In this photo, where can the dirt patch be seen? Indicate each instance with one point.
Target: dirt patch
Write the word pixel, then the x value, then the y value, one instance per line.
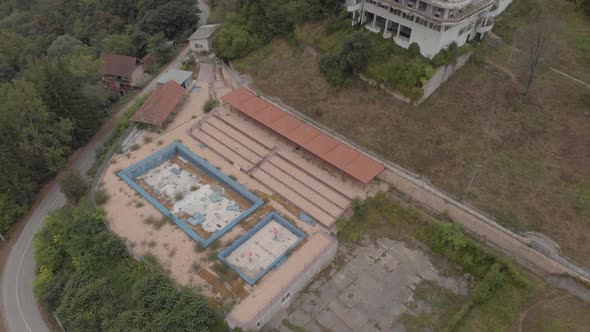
pixel 218 285
pixel 560 312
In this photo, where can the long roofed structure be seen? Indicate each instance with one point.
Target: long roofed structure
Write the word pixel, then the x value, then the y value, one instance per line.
pixel 324 146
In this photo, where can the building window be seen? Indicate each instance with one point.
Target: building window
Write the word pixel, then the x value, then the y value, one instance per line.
pixel 461 31
pixel 448 27
pixel 411 3
pixel 439 12
pixel 422 6
pixel 405 32
pixel 258 324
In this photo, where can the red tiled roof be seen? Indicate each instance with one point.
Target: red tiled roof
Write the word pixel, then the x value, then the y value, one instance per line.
pixel 118 65
pixel 342 156
pixel 160 104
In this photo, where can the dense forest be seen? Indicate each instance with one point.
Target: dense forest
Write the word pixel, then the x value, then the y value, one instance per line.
pixel 87 278
pixel 52 99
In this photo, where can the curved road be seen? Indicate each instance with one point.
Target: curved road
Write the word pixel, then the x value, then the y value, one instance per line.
pixel 20 311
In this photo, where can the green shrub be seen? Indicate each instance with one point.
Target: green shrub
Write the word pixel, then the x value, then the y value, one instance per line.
pixel 359 207
pixel 209 105
pixel 101 196
pixel 73 185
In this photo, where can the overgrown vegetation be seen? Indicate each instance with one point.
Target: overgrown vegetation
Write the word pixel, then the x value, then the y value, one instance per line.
pixel 209 105
pixel 493 274
pixel 73 185
pixel 346 51
pixel 248 25
pixel 52 99
pixel 87 278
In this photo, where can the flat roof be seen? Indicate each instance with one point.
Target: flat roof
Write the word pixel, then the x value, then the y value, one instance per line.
pixel 285 124
pixel 253 106
pixel 204 32
pixel 303 134
pixel 178 76
pixel 324 146
pixel 269 115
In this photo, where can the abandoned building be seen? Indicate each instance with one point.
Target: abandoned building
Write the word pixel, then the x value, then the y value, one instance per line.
pixel 432 24
pixel 121 73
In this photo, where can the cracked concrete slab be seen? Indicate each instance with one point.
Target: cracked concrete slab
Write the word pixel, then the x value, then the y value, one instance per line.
pixel 368 292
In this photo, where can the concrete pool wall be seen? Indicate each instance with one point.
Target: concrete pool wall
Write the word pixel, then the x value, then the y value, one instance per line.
pixel 130 173
pixel 279 256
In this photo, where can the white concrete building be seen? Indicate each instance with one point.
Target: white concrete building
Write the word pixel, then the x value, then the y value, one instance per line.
pixel 200 40
pixel 432 24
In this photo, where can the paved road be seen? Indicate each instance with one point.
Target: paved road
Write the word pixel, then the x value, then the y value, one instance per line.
pixel 20 310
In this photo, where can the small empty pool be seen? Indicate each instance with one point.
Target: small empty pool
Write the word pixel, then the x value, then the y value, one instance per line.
pixel 265 246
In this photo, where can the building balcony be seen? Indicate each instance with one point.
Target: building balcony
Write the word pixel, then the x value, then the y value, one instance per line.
pixel 355 7
pixel 483 28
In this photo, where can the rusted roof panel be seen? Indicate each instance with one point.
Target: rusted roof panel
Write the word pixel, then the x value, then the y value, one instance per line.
pixel 341 155
pixel 286 124
pixel 321 145
pixel 238 97
pixel 303 134
pixel 253 106
pixel 364 168
pixel 324 146
pixel 269 115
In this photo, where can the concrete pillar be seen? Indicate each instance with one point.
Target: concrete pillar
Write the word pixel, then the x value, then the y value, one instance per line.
pixel 386 26
pixel 374 20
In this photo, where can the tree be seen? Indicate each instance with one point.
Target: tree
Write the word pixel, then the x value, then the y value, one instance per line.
pixel 73 185
pixel 172 18
pixel 232 41
pixel 159 46
pixel 63 45
pixel 15 52
pixel 33 141
pixel 353 57
pixel 59 81
pixel 120 44
pixel 356 50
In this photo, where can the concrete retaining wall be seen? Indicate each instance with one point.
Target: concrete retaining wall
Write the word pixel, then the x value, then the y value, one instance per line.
pixel 442 74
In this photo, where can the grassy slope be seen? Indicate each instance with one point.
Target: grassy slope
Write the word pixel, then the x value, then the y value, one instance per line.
pixel 535 173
